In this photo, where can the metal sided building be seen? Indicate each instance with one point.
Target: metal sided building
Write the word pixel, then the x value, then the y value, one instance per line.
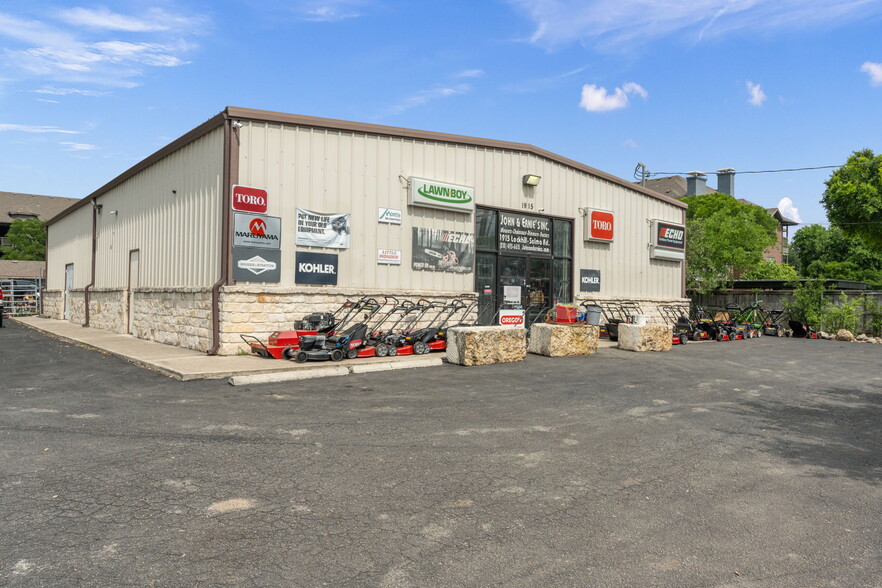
pixel 256 218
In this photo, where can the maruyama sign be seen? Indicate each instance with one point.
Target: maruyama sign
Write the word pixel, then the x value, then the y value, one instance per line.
pixel 251 230
pixel 248 199
pixel 599 225
pixel 433 194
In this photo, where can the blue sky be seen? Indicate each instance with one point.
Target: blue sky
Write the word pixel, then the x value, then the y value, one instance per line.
pixel 89 89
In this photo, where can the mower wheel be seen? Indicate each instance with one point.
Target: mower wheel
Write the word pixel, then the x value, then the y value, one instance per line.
pixel 352 354
pixel 393 351
pixel 288 353
pixel 337 355
pixel 683 339
pixel 421 348
pixel 301 357
pixel 382 350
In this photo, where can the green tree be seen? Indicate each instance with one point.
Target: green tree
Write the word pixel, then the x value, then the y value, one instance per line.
pixel 723 236
pixel 770 270
pixel 853 198
pixel 818 252
pixel 27 240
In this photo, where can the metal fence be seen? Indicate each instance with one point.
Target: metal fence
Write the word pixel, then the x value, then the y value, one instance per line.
pixel 21 297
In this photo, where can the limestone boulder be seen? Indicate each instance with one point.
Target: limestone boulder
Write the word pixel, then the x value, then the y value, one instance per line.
pixel 844 335
pixel 486 345
pixel 645 337
pixel 862 338
pixel 563 340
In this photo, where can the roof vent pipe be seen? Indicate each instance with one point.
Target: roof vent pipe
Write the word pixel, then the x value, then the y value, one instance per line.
pixel 726 181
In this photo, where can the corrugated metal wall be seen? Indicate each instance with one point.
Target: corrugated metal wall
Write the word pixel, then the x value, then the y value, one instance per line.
pixel 70 241
pixel 344 172
pixel 170 211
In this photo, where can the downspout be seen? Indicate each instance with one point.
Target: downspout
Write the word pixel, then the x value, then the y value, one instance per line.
pixel 226 187
pixel 683 265
pixel 87 292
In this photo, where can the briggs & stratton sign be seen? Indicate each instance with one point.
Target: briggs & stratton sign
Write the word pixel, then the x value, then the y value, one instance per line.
pixel 432 194
pixel 248 199
pixel 251 230
pixel 599 225
pixel 251 264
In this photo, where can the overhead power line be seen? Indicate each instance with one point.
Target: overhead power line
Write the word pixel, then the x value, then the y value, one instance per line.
pixel 761 171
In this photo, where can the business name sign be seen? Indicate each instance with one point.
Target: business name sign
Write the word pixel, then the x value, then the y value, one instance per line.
pixel 390 216
pixel 589 280
pixel 248 199
pixel 599 225
pixel 389 256
pixel 668 241
pixel 433 194
pixel 316 268
pixel 252 264
pixel 252 230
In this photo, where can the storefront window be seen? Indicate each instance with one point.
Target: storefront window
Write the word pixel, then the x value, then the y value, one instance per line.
pixel 485 229
pixel 563 271
pixel 563 243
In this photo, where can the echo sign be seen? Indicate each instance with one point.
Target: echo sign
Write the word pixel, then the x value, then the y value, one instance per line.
pixel 599 225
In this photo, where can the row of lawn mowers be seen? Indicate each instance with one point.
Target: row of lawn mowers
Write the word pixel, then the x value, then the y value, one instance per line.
pixel 699 324
pixel 367 327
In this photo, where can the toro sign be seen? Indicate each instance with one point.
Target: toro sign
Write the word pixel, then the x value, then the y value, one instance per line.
pixel 248 199
pixel 599 225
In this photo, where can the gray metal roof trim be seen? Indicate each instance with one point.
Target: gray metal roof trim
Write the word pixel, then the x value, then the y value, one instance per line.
pixel 368 128
pixel 185 139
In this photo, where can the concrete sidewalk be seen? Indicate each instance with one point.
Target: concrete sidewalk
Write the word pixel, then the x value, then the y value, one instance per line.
pixel 187 364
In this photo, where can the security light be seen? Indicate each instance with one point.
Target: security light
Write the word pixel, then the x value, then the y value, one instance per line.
pixel 531 180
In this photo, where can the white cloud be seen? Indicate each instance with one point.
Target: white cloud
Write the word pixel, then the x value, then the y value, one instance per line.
pixel 874 70
pixel 788 210
pixel 75 48
pixel 757 96
pixel 597 99
pixel 631 144
pixel 425 96
pixel 52 91
pixel 78 146
pixel 620 24
pixel 470 73
pixel 330 10
pixel 35 129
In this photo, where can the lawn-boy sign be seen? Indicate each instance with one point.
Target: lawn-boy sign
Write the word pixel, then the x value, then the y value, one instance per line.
pixel 252 230
pixel 668 241
pixel 432 194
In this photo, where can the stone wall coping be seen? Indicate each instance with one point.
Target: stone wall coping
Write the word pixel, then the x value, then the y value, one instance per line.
pixel 342 292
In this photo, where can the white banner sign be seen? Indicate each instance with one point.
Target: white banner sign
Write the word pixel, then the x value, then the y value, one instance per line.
pixel 389 216
pixel 389 256
pixel 320 229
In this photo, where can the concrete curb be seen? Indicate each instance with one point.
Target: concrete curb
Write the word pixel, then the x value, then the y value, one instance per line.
pixel 325 372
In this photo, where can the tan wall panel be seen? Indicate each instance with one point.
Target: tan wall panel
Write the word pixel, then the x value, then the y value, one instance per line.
pixel 340 171
pixel 70 241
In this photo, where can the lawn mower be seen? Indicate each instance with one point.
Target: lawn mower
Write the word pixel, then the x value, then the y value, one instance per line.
pixel 315 324
pixel 392 341
pixel 349 343
pixel 800 330
pixel 676 316
pixel 434 337
pixel 615 313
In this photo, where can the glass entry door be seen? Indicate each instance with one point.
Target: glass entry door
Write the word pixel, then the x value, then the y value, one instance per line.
pixel 485 282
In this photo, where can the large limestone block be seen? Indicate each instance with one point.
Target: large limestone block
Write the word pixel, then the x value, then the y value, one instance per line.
pixel 645 337
pixel 563 340
pixel 486 345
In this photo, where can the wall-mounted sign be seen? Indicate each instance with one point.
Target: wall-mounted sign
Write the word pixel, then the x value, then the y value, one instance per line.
pixel 389 256
pixel 249 199
pixel 443 251
pixel 511 294
pixel 668 241
pixel 522 233
pixel 511 318
pixel 589 280
pixel 252 264
pixel 316 268
pixel 319 229
pixel 389 216
pixel 252 230
pixel 432 194
pixel 599 225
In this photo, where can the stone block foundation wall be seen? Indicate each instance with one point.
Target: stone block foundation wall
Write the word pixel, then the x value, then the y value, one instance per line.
pixel 108 310
pixel 260 311
pixel 179 317
pixel 53 304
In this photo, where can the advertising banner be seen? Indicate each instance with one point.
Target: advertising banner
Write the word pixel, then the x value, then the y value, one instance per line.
pixel 253 230
pixel 249 199
pixel 589 280
pixel 316 268
pixel 599 225
pixel 438 250
pixel 319 229
pixel 252 264
pixel 522 233
pixel 389 256
pixel 433 194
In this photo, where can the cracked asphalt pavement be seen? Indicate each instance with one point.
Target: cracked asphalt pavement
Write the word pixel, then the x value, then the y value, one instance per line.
pixel 750 463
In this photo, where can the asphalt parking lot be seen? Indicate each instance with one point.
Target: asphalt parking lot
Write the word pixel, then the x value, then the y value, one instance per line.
pixel 750 463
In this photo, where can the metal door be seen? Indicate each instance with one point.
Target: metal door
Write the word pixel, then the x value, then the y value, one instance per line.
pixel 134 282
pixel 68 286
